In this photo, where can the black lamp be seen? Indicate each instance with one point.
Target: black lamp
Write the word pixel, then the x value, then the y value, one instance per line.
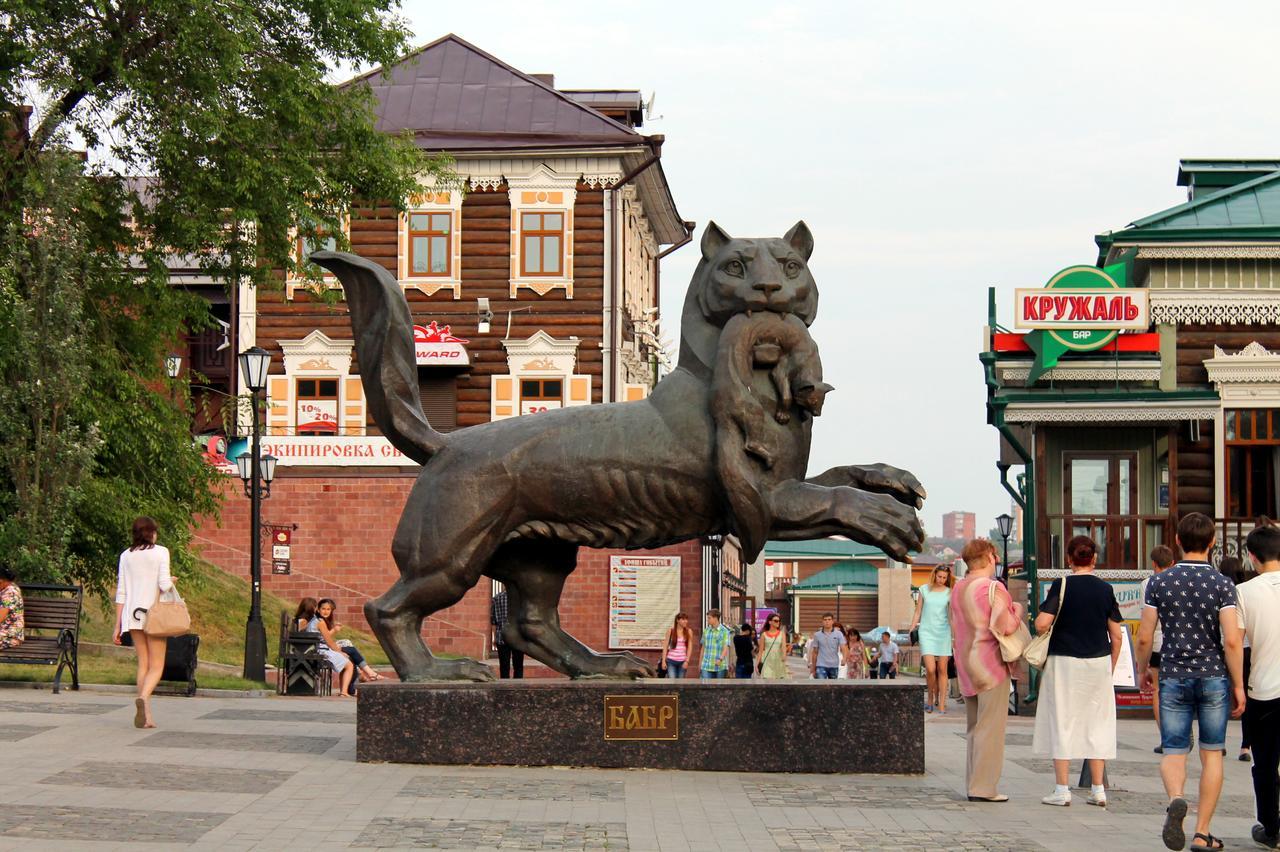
pixel 256 472
pixel 1004 523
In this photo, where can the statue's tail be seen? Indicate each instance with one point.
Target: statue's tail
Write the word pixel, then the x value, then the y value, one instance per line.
pixel 383 332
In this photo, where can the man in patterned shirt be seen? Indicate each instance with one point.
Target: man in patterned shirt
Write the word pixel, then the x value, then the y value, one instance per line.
pixel 508 657
pixel 715 647
pixel 1201 673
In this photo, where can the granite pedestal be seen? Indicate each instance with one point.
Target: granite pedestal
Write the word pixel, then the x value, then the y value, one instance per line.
pixel 732 726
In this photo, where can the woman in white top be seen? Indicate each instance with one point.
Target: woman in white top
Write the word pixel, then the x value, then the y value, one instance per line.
pixel 143 575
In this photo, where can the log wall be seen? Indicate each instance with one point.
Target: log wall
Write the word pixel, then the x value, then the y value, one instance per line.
pixel 486 234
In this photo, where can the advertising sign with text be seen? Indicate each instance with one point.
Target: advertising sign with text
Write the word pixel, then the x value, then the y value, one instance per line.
pixel 644 597
pixel 436 346
pixel 338 450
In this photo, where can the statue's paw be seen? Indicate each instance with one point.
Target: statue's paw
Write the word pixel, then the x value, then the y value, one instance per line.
pixel 460 669
pixel 619 666
pixel 895 528
pixel 901 485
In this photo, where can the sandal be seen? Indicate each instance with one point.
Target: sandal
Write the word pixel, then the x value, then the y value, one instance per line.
pixel 1173 835
pixel 1211 843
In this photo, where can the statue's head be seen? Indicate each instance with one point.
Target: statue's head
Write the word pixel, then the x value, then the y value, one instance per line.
pixel 769 274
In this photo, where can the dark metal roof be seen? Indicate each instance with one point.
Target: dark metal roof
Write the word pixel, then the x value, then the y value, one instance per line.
pixel 453 96
pixel 625 105
pixel 606 98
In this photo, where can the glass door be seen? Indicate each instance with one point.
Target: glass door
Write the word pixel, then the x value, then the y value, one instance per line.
pixel 1101 498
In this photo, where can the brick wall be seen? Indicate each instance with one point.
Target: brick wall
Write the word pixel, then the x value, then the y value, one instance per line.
pixel 342 550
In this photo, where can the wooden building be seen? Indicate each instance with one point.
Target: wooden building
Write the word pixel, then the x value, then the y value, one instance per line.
pixel 534 284
pixel 1181 414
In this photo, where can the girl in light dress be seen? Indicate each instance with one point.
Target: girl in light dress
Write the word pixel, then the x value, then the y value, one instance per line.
pixel 310 621
pixel 773 650
pixel 933 619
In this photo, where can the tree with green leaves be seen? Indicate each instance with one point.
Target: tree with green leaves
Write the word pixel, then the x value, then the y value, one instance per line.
pixel 227 110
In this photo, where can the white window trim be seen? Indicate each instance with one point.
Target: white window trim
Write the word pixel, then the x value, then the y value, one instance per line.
pixel 430 285
pixel 1249 378
pixel 531 194
pixel 293 281
pixel 540 356
pixel 316 356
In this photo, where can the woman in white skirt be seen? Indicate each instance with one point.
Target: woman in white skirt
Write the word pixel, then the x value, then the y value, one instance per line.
pixel 1076 713
pixel 143 574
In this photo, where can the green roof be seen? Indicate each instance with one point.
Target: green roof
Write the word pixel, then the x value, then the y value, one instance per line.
pixel 818 548
pixel 854 574
pixel 1247 211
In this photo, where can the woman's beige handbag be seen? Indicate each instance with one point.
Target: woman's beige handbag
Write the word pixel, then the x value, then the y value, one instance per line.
pixel 1013 645
pixel 168 616
pixel 1037 655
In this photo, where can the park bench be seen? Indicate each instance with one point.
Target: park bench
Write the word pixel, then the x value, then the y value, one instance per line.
pixel 51 623
pixel 302 670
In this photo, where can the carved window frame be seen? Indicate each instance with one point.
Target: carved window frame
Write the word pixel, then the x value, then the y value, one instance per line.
pixel 431 201
pixel 294 280
pixel 542 191
pixel 316 356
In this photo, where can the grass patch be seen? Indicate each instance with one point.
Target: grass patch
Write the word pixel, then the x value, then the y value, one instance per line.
pixel 219 605
pixel 95 668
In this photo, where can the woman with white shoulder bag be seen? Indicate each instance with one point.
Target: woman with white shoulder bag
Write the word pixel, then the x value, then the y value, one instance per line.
pixel 1076 712
pixel 142 614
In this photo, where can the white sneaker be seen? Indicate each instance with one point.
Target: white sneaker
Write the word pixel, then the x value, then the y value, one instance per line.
pixel 1060 800
pixel 1099 799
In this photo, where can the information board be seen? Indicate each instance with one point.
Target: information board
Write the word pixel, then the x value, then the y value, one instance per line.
pixel 1124 676
pixel 644 597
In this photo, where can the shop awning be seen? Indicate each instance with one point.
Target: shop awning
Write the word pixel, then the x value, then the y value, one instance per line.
pixel 1124 406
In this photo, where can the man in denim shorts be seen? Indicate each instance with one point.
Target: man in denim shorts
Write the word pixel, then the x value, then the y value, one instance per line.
pixel 1201 674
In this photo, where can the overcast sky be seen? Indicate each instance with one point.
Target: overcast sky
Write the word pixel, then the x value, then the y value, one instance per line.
pixel 935 149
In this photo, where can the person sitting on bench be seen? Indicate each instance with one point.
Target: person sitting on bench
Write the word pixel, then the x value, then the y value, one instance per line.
pixel 326 609
pixel 11 633
pixel 309 621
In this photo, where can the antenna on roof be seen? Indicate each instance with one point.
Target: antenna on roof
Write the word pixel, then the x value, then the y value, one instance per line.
pixel 648 108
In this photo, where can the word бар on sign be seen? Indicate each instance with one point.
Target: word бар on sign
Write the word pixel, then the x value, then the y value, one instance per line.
pixel 642 717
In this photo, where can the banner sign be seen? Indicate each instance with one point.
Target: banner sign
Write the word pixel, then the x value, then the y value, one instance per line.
pixel 1076 309
pixel 644 597
pixel 1080 309
pixel 339 450
pixel 318 415
pixel 435 345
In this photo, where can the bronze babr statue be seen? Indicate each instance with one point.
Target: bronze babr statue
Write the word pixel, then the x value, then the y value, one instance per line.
pixel 721 446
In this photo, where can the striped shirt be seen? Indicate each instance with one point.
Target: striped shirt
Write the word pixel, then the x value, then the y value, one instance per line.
pixel 979 664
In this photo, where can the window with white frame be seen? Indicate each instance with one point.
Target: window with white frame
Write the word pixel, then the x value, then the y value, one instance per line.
pixel 429 247
pixel 541 376
pixel 542 231
pixel 304 274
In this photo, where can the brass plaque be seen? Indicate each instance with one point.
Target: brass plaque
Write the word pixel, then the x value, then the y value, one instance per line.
pixel 642 717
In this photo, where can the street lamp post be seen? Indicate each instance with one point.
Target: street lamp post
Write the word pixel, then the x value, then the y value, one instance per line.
pixel 1005 524
pixel 254 364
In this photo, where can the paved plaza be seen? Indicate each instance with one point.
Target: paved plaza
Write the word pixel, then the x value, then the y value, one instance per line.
pixel 280 773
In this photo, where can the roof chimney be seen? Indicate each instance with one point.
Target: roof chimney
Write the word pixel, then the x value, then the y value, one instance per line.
pixel 546 79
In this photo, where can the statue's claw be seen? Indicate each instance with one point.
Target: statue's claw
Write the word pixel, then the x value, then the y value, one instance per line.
pixel 901 485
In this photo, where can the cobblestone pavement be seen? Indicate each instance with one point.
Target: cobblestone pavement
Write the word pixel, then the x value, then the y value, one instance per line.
pixel 280 774
pixel 10 733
